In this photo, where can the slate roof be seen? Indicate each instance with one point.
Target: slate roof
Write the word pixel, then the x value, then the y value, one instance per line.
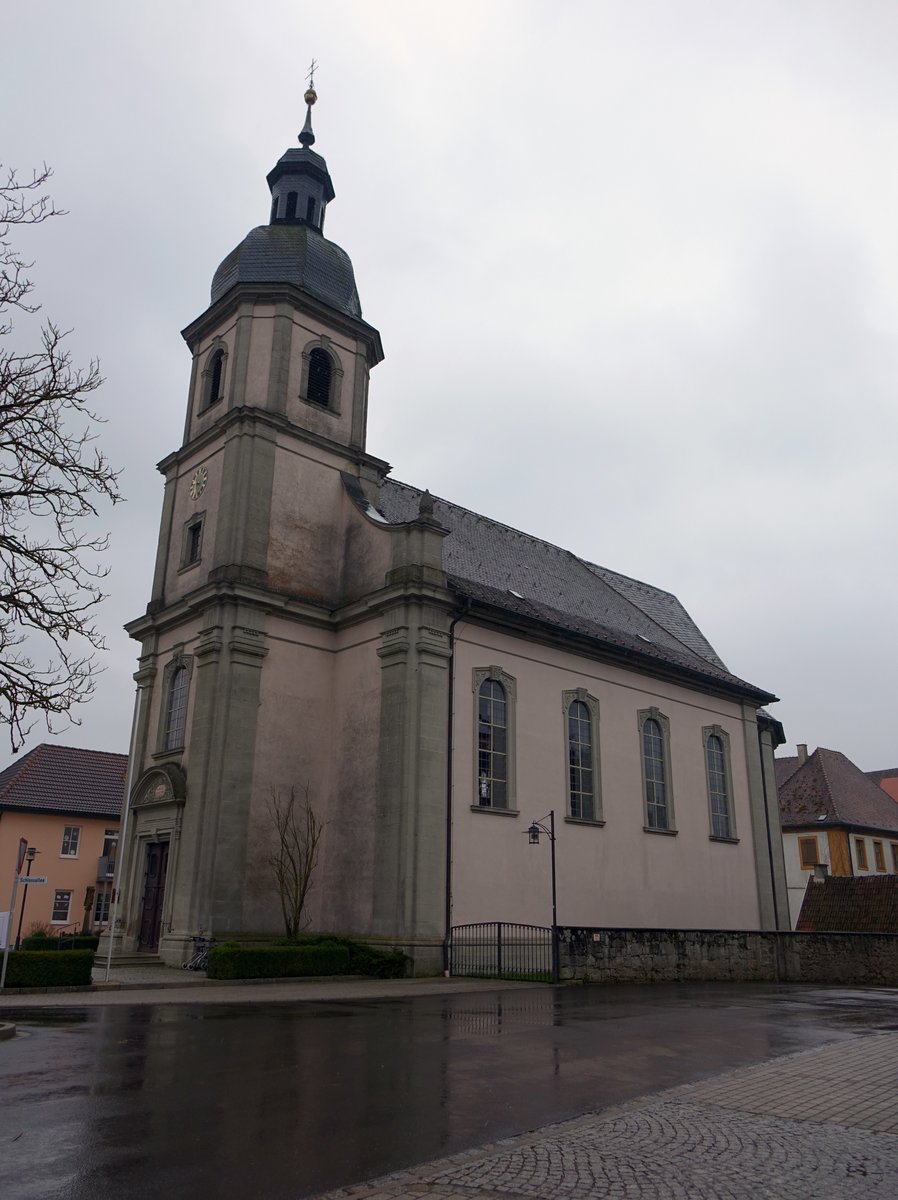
pixel 523 575
pixel 850 904
pixel 63 779
pixel 296 254
pixel 831 786
pixel 879 776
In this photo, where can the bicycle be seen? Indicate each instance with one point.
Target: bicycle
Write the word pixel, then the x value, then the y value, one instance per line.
pixel 200 958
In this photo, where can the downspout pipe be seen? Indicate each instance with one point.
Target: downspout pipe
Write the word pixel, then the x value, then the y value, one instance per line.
pixel 776 914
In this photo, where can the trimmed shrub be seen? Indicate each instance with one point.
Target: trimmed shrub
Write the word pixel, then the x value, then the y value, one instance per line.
pixel 364 959
pixel 58 968
pixel 277 962
pixel 38 941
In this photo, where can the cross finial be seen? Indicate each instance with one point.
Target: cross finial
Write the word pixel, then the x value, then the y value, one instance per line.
pixel 310 75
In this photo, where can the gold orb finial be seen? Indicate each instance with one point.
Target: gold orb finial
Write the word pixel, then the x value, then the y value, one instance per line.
pixel 311 96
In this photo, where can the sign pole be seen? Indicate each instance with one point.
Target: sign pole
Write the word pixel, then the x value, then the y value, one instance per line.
pixel 23 846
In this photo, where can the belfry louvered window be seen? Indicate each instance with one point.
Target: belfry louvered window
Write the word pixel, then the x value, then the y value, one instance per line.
pixel 320 375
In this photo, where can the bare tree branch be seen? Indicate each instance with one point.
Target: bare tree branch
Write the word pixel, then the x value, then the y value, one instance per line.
pixel 52 477
pixel 296 834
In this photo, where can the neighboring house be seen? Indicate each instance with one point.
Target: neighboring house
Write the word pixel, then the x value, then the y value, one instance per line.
pixel 833 814
pixel 66 803
pixel 887 780
pixel 437 679
pixel 857 904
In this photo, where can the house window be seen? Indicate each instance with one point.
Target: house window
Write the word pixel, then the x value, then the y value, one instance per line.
pixel 101 907
pixel 808 853
pixel 110 843
pixel 879 856
pixel 654 730
pixel 71 836
pixel 894 846
pixel 494 695
pixel 720 790
pixel 581 731
pixel 176 711
pixel 860 851
pixel 320 374
pixel 61 903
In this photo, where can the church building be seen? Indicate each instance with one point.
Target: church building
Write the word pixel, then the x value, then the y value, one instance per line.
pixel 436 680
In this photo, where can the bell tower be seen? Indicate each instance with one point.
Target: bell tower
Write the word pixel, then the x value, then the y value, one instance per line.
pixel 237 670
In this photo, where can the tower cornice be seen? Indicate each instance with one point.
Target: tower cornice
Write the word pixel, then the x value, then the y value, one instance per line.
pixel 275 293
pixel 261 416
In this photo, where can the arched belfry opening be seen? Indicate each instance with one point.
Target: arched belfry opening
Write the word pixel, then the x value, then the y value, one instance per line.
pixel 321 374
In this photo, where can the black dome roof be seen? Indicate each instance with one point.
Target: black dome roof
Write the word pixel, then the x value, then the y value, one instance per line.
pixel 296 254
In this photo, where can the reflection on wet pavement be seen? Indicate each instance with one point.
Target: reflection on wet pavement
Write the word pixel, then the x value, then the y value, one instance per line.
pixel 276 1100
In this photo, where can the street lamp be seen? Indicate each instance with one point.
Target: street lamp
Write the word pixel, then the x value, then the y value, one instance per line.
pixel 29 859
pixel 533 834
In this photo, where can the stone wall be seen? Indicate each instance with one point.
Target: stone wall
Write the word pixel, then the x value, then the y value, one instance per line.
pixel 678 955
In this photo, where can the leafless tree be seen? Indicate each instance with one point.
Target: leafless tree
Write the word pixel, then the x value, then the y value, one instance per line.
pixel 296 836
pixel 51 479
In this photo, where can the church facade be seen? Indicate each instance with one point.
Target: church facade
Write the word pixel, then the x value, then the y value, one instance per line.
pixel 435 680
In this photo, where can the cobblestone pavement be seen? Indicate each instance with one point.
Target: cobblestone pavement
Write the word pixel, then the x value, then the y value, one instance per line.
pixel 822 1124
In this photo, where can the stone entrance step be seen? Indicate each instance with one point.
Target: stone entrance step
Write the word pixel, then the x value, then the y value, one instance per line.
pixel 135 960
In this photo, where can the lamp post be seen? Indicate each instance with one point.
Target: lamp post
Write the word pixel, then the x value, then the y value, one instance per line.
pixel 536 828
pixel 29 859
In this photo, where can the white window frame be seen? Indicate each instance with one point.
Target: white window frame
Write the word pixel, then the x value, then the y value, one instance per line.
pixel 68 908
pixel 70 833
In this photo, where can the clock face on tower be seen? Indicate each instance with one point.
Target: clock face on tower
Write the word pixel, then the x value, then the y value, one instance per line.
pixel 198 483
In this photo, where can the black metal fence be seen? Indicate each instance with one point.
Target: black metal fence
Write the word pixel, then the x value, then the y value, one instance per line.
pixel 503 950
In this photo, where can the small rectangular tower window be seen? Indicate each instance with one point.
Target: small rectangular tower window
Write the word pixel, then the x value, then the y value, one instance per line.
pixel 192 550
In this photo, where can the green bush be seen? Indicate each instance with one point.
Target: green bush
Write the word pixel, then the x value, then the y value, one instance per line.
pixel 80 941
pixel 277 962
pixel 364 959
pixel 58 968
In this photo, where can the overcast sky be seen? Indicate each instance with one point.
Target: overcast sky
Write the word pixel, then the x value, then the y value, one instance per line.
pixel 635 266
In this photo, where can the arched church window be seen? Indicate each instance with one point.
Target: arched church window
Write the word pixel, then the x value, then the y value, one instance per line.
pixel 291 206
pixel 580 759
pixel 321 372
pixel 176 712
pixel 492 745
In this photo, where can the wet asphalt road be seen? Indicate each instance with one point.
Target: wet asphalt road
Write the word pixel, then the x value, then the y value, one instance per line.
pixel 283 1100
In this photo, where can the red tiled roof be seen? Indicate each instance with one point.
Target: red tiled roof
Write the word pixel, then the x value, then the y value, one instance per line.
pixel 830 786
pixel 63 779
pixel 850 904
pixel 785 768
